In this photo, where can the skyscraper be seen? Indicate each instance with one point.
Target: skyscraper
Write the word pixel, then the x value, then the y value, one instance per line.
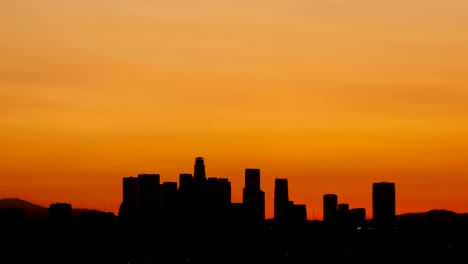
pixel 383 205
pixel 199 170
pixel 253 197
pixel 130 190
pixel 129 205
pixel 148 194
pixel 186 182
pixel 330 208
pixel 281 201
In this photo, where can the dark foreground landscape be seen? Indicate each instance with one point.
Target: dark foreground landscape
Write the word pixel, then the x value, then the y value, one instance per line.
pixel 98 237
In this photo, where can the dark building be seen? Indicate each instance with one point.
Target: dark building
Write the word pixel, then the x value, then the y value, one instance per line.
pixel 330 208
pixel 148 194
pixel 218 191
pixel 186 194
pixel 224 190
pixel 237 216
pixel 383 205
pixel 298 213
pixel 343 215
pixel 199 170
pixel 357 218
pixel 128 207
pixel 343 212
pixel 169 201
pixel 168 195
pixel 253 197
pixel 60 212
pixel 281 201
pixel 186 182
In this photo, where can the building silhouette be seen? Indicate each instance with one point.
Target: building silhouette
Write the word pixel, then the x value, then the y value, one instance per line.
pixel 383 206
pixel 281 201
pixel 253 197
pixel 357 218
pixel 297 214
pixel 199 170
pixel 169 203
pixel 128 209
pixel 330 208
pixel 148 196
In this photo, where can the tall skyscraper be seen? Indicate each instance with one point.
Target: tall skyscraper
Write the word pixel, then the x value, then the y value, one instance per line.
pixel 129 205
pixel 298 213
pixel 253 197
pixel 148 194
pixel 130 191
pixel 281 201
pixel 186 194
pixel 169 198
pixel 199 170
pixel 383 205
pixel 330 208
pixel 224 189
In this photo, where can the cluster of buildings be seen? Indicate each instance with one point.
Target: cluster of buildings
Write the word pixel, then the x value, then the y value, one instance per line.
pixel 207 200
pixel 201 199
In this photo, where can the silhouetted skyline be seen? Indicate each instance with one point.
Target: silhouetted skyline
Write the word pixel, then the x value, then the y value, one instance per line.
pixel 199 196
pixel 195 220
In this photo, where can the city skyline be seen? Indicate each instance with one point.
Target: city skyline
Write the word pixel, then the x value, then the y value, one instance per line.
pixel 328 199
pixel 331 95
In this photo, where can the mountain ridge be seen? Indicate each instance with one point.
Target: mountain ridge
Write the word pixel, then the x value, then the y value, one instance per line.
pixel 32 210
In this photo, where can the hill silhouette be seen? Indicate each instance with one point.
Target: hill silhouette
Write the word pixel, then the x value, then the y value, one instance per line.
pixel 36 211
pixel 441 216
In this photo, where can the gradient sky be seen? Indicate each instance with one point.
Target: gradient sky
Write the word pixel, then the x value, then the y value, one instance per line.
pixel 331 94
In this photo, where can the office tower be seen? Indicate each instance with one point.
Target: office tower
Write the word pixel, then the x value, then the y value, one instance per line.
pixel 383 205
pixel 185 182
pixel 148 194
pixel 252 179
pixel 212 192
pixel 281 201
pixel 343 210
pixel 169 202
pixel 224 190
pixel 330 208
pixel 357 218
pixel 253 197
pixel 130 191
pixel 199 170
pixel 129 205
pixel 343 215
pixel 298 213
pixel 169 195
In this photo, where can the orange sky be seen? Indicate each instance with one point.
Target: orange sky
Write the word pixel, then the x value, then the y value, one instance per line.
pixel 333 95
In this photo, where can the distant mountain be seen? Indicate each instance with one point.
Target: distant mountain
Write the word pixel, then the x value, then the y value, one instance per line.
pixel 35 211
pixel 15 202
pixel 434 216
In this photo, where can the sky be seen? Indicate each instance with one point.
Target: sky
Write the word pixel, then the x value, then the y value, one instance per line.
pixel 333 95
